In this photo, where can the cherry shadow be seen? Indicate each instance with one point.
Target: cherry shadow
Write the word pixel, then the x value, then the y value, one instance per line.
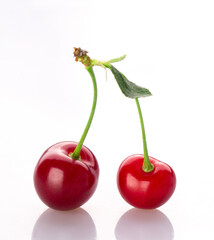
pixel 140 224
pixel 64 225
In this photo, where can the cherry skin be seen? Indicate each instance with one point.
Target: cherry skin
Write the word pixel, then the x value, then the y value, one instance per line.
pixel 63 183
pixel 146 190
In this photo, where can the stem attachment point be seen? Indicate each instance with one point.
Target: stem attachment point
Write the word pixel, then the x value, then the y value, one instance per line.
pixel 74 157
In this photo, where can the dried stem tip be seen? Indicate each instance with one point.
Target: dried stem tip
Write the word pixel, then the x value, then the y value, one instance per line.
pixel 81 56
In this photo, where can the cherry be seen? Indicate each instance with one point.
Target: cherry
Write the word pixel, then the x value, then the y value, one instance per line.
pixel 142 189
pixel 64 183
pixel 66 175
pixel 143 181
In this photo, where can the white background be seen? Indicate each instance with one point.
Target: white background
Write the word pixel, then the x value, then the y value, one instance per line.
pixel 45 98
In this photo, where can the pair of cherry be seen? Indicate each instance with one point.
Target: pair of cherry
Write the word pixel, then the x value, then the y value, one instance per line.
pixel 67 173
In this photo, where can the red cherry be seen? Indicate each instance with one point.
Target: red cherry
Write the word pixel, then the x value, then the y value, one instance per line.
pixel 63 183
pixel 142 189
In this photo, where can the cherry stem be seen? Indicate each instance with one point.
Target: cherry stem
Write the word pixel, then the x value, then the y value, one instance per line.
pixel 147 165
pixel 76 153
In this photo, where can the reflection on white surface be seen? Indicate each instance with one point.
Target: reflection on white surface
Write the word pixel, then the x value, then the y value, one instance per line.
pixel 140 224
pixel 64 225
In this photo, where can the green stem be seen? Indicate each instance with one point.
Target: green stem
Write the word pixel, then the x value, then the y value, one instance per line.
pixel 147 165
pixel 107 64
pixel 114 60
pixel 76 153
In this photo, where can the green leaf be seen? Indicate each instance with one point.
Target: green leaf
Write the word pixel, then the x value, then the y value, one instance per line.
pixel 128 88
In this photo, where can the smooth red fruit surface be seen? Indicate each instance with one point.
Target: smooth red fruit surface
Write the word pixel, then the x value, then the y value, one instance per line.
pixel 145 190
pixel 63 183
